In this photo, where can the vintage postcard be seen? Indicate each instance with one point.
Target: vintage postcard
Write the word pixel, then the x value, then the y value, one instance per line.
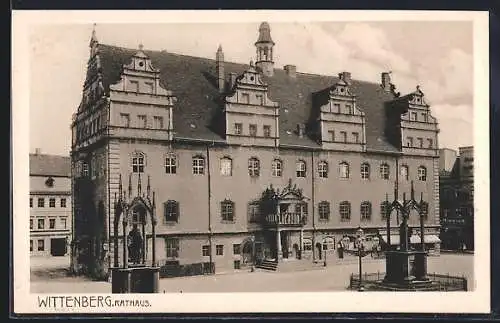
pixel 250 161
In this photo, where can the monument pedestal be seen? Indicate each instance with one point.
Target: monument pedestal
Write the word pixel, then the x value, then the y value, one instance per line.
pixel 406 269
pixel 137 279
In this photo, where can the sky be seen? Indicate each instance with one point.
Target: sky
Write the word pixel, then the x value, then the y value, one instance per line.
pixel 437 56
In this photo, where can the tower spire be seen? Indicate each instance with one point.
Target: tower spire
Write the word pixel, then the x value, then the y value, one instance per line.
pixel 93 38
pixel 264 46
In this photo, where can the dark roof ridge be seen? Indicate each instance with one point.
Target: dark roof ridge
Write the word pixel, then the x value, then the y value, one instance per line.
pixel 232 62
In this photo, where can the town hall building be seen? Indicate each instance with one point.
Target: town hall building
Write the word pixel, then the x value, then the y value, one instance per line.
pixel 243 162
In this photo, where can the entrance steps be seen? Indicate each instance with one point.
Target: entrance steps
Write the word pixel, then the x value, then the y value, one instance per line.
pixel 290 265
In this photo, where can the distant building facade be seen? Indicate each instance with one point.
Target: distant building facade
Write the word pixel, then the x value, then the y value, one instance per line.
pixel 247 162
pixel 456 182
pixel 50 204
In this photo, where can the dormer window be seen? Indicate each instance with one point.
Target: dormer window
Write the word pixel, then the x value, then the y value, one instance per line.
pixel 260 99
pixel 424 117
pixel 349 109
pixel 336 108
pixel 413 116
pixel 149 87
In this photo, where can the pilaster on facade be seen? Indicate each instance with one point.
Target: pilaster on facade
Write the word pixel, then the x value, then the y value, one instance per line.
pixel 252 118
pixel 341 122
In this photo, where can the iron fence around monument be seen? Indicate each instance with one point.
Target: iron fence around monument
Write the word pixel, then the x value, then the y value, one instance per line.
pixel 444 282
pixel 170 269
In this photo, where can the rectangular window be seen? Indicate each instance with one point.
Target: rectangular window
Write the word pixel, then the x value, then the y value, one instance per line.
pixel 158 122
pixel 226 166
pixel 41 202
pixel 134 86
pixel 52 223
pixel 219 250
pixel 227 211
pixel 125 119
pixel 149 87
pixel 349 109
pixel 142 121
pixel 424 117
pixel 31 202
pixel 238 128
pixel 355 136
pixel 31 245
pixel 336 108
pixel 413 116
pixel 260 99
pixel 420 142
pixel 63 202
pixel 31 224
pixel 41 224
pixel 252 130
pixel 205 251
pixel 253 212
pixel 409 142
pixel 343 136
pixel 245 98
pixel 236 249
pixel 41 245
pixel 64 224
pixel 267 131
pixel 172 247
pixel 430 143
pixel 331 135
pixel 237 264
pixel 52 202
pixel 171 164
pixel 198 165
pixel 171 211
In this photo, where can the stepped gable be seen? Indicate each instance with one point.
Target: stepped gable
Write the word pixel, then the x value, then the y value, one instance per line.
pixel 193 80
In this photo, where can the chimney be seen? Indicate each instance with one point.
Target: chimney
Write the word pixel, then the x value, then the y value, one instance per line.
pixel 232 80
pixel 38 151
pixel 291 70
pixel 386 81
pixel 219 61
pixel 301 129
pixel 346 77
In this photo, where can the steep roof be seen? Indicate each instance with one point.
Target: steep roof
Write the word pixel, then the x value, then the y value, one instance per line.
pixel 193 81
pixel 50 165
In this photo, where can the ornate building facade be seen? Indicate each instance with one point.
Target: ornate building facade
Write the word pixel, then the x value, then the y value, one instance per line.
pixel 456 182
pixel 247 161
pixel 50 204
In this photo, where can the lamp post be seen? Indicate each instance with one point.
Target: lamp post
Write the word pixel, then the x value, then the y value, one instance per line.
pixel 359 242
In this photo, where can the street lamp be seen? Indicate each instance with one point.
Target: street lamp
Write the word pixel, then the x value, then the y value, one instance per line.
pixel 360 246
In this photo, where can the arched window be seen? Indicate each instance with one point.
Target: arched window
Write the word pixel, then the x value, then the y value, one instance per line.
pixel 324 210
pixel 277 168
pixel 328 243
pixel 307 244
pixel 422 173
pixel 365 171
pixel 301 168
pixel 198 165
pixel 384 171
pixel 344 170
pixel 226 166
pixel 227 210
pixel 403 172
pixel 384 206
pixel 323 169
pixel 171 211
pixel 366 211
pixel 138 162
pixel 170 164
pixel 345 211
pixel 253 167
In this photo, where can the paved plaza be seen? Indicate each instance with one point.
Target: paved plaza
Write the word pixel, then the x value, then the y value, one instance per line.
pixel 49 275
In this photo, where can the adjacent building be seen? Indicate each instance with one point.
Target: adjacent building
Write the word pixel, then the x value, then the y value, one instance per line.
pixel 50 204
pixel 246 161
pixel 456 182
